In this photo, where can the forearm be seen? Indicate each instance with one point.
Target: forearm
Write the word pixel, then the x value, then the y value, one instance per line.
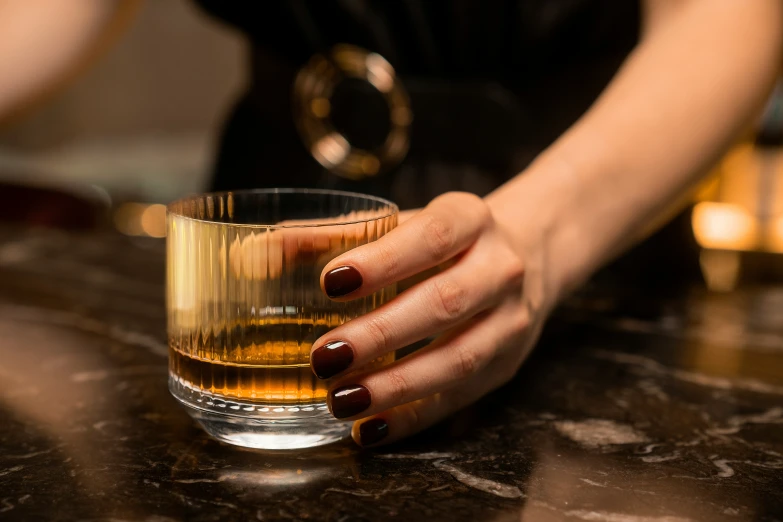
pixel 681 97
pixel 43 44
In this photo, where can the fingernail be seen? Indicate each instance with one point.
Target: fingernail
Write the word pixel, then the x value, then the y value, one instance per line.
pixel 372 431
pixel 350 400
pixel 342 281
pixel 330 359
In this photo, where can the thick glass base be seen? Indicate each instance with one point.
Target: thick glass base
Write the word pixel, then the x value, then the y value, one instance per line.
pixel 253 425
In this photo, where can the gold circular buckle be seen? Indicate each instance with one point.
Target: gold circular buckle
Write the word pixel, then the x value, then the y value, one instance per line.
pixel 313 88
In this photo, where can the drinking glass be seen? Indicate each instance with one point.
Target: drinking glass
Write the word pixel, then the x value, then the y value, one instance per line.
pixel 245 306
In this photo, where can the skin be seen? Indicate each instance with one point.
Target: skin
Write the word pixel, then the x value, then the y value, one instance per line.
pixel 44 45
pixel 701 71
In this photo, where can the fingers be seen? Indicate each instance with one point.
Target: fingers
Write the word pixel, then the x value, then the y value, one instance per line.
pixel 405 420
pixel 446 227
pixel 431 307
pixel 448 362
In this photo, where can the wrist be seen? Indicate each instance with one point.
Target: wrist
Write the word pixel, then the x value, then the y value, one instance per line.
pixel 537 209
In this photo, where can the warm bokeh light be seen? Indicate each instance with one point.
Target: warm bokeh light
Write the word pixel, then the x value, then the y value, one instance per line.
pixel 720 268
pixel 153 220
pixel 379 72
pixel 139 219
pixel 775 235
pixel 331 149
pixel 127 218
pixel 741 176
pixel 321 107
pixel 723 226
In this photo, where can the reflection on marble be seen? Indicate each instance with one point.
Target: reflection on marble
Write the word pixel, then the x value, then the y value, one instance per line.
pixel 487 486
pixel 653 408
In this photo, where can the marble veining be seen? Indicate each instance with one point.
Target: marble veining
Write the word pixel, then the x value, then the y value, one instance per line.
pixel 595 433
pixel 636 407
pixel 662 458
pixel 430 455
pixel 492 487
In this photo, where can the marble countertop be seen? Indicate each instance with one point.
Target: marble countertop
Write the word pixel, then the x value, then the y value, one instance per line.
pixel 636 407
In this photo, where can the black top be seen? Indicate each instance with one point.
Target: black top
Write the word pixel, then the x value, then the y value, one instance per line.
pixel 490 83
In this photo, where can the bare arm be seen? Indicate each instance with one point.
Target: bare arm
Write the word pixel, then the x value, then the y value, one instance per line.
pixel 701 71
pixel 43 44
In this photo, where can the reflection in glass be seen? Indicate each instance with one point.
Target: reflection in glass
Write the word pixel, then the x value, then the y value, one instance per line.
pixel 245 307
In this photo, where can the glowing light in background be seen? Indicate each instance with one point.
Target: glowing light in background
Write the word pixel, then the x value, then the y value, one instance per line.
pixel 723 226
pixel 139 219
pixel 153 220
pixel 321 107
pixel 127 218
pixel 379 72
pixel 331 149
pixel 721 269
pixel 775 235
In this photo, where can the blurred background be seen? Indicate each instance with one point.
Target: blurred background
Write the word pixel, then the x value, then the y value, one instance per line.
pixel 134 127
pixel 135 131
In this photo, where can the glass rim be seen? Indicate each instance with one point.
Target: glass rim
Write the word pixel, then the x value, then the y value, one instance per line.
pixel 393 208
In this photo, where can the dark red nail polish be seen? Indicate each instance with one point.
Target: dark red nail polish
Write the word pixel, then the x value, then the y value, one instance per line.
pixel 347 401
pixel 330 359
pixel 342 281
pixel 372 431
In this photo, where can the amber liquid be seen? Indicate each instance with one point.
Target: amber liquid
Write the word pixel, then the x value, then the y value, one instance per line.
pixel 266 362
pixel 245 306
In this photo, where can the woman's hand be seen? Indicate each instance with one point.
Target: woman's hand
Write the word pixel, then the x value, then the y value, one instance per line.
pixel 484 320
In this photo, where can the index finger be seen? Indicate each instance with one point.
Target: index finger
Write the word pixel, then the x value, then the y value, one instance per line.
pixel 443 229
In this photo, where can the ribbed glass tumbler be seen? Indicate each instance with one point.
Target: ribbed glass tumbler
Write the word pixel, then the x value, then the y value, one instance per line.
pixel 245 307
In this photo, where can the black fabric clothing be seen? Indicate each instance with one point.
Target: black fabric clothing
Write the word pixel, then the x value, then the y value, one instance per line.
pixel 492 83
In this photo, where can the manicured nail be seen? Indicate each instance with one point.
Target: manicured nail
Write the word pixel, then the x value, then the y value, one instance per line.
pixel 372 431
pixel 342 281
pixel 330 359
pixel 350 400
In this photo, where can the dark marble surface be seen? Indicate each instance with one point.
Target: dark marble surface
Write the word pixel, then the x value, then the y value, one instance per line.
pixel 635 408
